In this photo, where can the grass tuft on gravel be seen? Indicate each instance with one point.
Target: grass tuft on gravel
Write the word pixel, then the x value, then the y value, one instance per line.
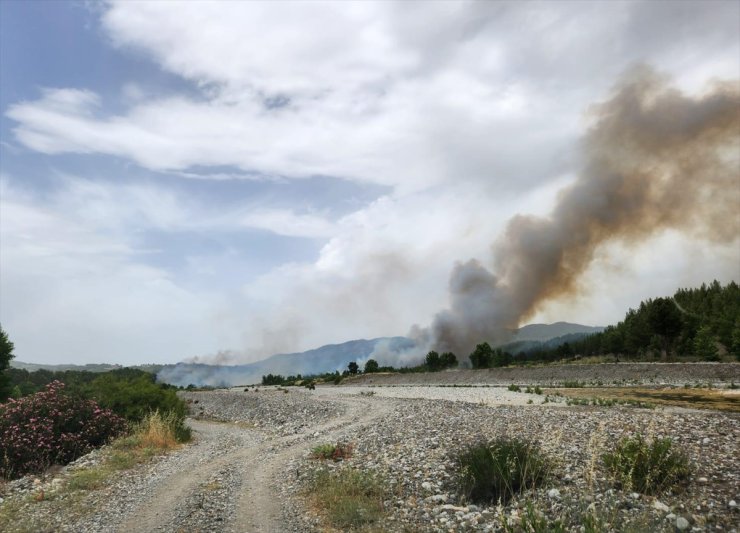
pixel 335 452
pixel 647 466
pixel 349 498
pixel 498 470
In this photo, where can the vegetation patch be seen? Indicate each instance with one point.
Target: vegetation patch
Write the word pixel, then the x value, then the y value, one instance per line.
pixel 349 498
pixel 647 466
pixel 153 436
pixel 719 399
pixel 498 470
pixel 336 452
pixel 51 427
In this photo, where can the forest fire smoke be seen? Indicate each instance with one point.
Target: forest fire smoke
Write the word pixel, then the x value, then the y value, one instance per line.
pixel 654 159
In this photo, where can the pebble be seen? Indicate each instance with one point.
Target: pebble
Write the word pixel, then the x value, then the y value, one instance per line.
pixel 681 523
pixel 660 506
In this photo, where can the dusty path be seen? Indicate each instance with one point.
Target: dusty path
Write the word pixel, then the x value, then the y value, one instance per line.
pixel 227 479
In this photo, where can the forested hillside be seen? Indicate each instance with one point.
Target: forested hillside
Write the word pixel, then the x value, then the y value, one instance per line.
pixel 701 323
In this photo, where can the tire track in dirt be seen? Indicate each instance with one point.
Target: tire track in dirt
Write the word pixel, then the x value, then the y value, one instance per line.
pixel 260 508
pixel 255 458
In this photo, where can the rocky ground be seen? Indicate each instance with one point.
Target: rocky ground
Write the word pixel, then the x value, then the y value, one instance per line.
pixel 607 374
pixel 249 467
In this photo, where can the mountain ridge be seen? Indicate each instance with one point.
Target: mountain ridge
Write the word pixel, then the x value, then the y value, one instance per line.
pixel 397 351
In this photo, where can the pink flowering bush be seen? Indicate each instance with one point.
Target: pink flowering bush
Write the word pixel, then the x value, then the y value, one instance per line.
pixel 51 427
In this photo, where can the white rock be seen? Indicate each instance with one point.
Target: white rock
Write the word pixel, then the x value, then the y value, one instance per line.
pixel 732 504
pixel 702 480
pixel 553 493
pixel 426 485
pixel 681 523
pixel 660 506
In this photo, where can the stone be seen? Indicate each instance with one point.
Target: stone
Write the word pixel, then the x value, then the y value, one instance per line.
pixel 553 493
pixel 702 480
pixel 681 523
pixel 732 504
pixel 660 506
pixel 426 485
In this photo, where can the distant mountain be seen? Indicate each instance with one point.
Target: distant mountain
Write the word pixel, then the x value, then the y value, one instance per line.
pixel 319 360
pixel 32 367
pixel 545 332
pixel 397 351
pixel 92 367
pixel 517 347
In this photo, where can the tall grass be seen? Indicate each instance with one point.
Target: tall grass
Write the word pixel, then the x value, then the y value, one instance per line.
pixel 649 467
pixel 162 431
pixel 497 470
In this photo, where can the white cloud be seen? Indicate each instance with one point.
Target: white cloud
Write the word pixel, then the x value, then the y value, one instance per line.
pixel 468 111
pixel 73 292
pixel 288 223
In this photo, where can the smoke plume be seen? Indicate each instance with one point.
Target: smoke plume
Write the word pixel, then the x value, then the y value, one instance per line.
pixel 654 159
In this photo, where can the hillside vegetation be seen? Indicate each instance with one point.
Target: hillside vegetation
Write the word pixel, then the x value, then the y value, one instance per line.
pixel 702 324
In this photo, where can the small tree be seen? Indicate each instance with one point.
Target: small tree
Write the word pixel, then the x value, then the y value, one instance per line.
pixel 704 346
pixel 449 360
pixel 371 366
pixel 433 361
pixel 482 356
pixel 665 320
pixel 6 354
pixel 353 368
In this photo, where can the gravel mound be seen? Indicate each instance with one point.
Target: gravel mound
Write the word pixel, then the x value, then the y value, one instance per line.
pixel 276 410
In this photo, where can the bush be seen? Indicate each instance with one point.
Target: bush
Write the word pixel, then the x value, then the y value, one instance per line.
pixel 649 467
pixel 51 427
pixel 496 471
pixel 335 452
pixel 515 388
pixel 133 394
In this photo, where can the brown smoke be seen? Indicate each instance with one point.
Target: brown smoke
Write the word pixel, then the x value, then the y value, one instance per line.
pixel 654 159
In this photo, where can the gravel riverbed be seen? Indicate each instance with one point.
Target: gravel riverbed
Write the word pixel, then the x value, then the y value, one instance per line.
pixel 252 449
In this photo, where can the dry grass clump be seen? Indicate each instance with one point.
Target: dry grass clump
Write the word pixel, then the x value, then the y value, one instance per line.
pixel 350 499
pixel 158 431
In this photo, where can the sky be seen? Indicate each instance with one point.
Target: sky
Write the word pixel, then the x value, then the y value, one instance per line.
pixel 221 181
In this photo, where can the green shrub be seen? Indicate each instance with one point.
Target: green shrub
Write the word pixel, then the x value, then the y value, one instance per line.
pixel 497 470
pixel 515 388
pixel 51 427
pixel 133 396
pixel 649 467
pixel 335 452
pixel 350 498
